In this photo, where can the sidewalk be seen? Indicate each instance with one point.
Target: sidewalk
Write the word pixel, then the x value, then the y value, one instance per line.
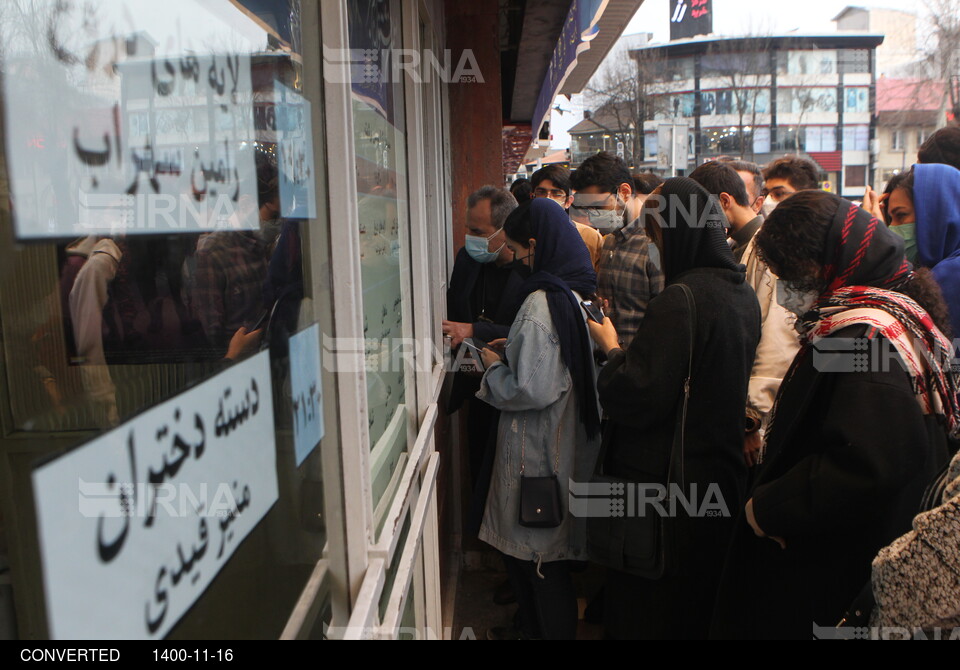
pixel 476 612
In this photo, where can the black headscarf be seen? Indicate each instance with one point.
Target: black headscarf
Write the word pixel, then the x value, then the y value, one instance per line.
pixel 862 251
pixel 561 265
pixel 694 229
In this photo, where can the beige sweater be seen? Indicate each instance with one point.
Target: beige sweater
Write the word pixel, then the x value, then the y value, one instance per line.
pixel 916 580
pixel 779 340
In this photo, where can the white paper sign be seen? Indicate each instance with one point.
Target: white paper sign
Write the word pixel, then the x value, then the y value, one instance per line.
pixel 135 525
pixel 111 130
pixel 307 389
pixel 295 153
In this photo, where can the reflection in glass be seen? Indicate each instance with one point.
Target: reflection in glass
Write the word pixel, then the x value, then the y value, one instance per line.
pixel 148 147
pixel 380 147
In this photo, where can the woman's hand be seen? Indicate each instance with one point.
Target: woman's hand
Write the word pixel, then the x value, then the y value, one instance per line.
pixel 605 335
pixel 490 357
pixel 243 344
pixel 872 202
pixel 752 521
pixel 752 446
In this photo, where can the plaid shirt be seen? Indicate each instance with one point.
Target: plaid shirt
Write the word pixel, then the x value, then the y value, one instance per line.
pixel 228 283
pixel 629 277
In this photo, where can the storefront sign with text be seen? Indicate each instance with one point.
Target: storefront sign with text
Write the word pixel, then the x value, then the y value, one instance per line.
pixel 135 524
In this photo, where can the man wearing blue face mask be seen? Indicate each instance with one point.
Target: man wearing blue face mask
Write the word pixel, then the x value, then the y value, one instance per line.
pixel 481 303
pixel 628 272
pixel 483 271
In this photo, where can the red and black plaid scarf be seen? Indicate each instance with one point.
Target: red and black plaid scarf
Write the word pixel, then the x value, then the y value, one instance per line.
pixel 865 269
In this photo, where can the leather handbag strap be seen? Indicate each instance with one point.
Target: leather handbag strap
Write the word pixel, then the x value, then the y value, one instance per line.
pixel 523 442
pixel 680 433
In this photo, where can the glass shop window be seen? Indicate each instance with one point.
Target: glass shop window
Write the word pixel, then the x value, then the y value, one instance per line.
pixel 155 198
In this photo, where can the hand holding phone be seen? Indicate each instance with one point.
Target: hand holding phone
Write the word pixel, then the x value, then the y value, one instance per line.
pixel 593 311
pixel 476 347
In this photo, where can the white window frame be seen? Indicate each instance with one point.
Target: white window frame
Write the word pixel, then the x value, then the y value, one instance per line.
pixel 357 560
pixel 897 140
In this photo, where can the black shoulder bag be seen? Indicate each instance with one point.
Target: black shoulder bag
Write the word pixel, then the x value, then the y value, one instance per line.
pixel 540 504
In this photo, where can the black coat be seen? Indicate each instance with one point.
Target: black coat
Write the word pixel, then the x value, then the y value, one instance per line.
pixel 640 390
pixel 848 457
pixel 502 292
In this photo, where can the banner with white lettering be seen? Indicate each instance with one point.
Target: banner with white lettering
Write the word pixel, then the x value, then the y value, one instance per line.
pixel 689 18
pixel 135 524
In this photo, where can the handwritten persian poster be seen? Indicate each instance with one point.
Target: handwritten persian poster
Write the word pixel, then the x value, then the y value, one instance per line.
pixel 135 525
pixel 295 153
pixel 116 124
pixel 307 390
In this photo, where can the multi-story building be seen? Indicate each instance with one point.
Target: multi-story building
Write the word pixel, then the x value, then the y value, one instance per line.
pixel 908 112
pixel 763 97
pixel 899 48
pixel 611 128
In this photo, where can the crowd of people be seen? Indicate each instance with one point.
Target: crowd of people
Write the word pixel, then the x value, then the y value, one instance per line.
pixel 772 361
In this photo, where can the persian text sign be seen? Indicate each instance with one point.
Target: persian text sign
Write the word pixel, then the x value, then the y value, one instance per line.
pixel 307 389
pixel 108 133
pixel 134 525
pixel 295 144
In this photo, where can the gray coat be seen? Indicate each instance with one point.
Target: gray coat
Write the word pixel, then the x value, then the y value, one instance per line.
pixel 539 418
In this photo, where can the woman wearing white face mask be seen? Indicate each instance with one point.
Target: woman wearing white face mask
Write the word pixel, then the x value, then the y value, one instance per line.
pixel 860 426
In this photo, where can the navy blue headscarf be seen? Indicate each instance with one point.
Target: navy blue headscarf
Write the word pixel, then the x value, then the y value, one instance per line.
pixel 562 265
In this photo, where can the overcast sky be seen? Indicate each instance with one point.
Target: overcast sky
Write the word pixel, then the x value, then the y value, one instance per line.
pixel 740 17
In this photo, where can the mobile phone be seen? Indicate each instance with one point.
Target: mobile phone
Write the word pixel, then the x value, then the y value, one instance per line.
pixel 593 311
pixel 260 322
pixel 477 347
pixel 263 319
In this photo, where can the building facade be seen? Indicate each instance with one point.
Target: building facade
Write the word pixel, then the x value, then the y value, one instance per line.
pixel 606 130
pixel 908 112
pixel 762 97
pixel 899 48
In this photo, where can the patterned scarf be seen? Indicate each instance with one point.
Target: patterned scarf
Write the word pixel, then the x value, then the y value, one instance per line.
pixel 865 270
pixel 926 352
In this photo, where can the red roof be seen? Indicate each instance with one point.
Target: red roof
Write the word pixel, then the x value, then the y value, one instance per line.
pixel 830 161
pixel 899 95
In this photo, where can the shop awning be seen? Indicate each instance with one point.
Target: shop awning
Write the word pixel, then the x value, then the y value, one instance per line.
pixel 552 48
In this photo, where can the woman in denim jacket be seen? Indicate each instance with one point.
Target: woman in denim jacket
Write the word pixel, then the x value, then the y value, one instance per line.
pixel 544 386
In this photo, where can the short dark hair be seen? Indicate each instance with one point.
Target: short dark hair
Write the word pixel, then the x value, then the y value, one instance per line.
pixel 802 174
pixel 604 170
pixel 560 176
pixel 718 178
pixel 747 166
pixel 645 183
pixel 521 189
pixel 942 147
pixel 501 200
